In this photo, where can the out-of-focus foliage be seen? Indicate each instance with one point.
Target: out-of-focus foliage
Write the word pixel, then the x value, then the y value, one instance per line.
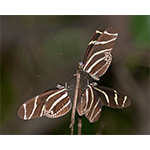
pixel 140 30
pixel 138 57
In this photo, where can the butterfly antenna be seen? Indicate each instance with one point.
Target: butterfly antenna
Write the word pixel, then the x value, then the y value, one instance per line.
pixel 44 79
pixel 70 78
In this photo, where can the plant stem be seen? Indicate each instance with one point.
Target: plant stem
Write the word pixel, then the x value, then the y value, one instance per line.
pixel 75 101
pixel 79 117
pixel 79 124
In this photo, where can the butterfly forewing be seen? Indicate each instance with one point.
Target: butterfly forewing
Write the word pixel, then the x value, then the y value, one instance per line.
pixel 98 57
pixel 95 109
pixel 95 36
pixel 57 100
pixel 33 107
pixel 112 98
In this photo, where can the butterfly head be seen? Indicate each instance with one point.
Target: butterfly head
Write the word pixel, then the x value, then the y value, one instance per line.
pixel 59 86
pixel 94 84
pixel 65 86
pixel 81 65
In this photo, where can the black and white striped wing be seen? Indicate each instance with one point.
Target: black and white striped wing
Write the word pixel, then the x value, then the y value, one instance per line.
pixel 90 105
pixel 95 36
pixel 52 104
pixel 98 56
pixel 112 98
pixel 95 97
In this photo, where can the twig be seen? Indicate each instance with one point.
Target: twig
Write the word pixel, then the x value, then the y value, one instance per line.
pixel 75 101
pixel 79 117
pixel 79 124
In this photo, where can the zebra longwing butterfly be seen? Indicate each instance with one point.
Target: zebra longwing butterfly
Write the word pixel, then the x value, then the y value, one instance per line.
pixel 95 97
pixel 98 56
pixel 52 104
pixel 56 102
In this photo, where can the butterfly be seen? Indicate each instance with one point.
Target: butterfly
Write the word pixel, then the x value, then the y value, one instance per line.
pixel 55 103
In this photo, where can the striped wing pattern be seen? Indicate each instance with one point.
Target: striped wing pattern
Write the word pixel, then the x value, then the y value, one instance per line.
pixel 90 105
pixel 98 56
pixel 95 36
pixel 95 97
pixel 112 98
pixel 52 104
pixel 56 103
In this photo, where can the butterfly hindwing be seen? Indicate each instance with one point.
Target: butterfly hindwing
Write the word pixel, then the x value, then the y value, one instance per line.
pixel 58 105
pixel 90 105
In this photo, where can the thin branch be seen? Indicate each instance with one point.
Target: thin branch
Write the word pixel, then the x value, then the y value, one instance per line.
pixel 79 117
pixel 79 124
pixel 75 101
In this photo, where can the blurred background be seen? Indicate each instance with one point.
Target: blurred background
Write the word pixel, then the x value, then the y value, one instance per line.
pixel 49 46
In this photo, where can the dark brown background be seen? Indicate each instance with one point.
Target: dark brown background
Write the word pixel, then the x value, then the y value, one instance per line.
pixel 31 45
